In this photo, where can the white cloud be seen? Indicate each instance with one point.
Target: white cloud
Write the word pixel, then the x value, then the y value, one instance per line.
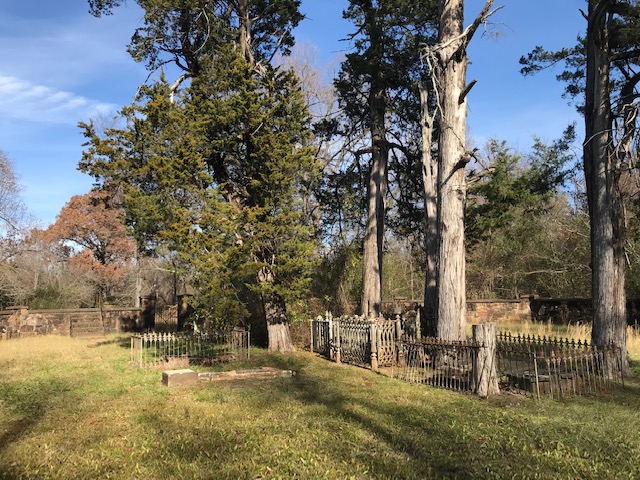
pixel 23 100
pixel 66 51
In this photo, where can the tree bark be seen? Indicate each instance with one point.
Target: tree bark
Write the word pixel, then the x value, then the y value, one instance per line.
pixel 452 190
pixel 371 271
pixel 429 180
pixel 277 324
pixel 448 62
pixel 377 188
pixel 485 374
pixel 276 318
pixel 244 37
pixel 602 171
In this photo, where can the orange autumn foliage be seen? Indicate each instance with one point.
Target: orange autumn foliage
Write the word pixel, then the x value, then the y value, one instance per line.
pixel 96 239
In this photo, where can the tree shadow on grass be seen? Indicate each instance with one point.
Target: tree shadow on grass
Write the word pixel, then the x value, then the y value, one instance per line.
pixel 120 340
pixel 367 432
pixel 26 402
pixel 399 438
pixel 451 435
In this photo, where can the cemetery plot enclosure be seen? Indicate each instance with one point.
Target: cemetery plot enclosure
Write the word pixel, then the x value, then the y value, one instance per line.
pixel 555 367
pixel 536 366
pixel 443 364
pixel 151 350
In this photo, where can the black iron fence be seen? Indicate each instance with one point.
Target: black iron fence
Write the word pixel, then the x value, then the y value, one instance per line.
pixel 536 366
pixel 435 362
pixel 555 367
pixel 362 341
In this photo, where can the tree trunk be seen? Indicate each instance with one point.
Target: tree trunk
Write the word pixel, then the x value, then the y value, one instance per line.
pixel 138 292
pixel 484 373
pixel 276 318
pixel 429 180
pixel 452 190
pixel 377 189
pixel 602 177
pixel 244 37
pixel 374 235
pixel 277 324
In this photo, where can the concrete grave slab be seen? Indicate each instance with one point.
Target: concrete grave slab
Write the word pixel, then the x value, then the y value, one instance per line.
pixel 174 378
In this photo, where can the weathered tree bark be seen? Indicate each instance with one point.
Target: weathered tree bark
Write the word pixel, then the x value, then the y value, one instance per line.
pixel 138 293
pixel 371 268
pixel 448 59
pixel 377 188
pixel 276 318
pixel 602 171
pixel 429 180
pixel 452 189
pixel 374 232
pixel 485 373
pixel 277 325
pixel 244 37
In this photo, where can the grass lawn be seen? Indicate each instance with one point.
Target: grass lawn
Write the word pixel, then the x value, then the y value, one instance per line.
pixel 74 408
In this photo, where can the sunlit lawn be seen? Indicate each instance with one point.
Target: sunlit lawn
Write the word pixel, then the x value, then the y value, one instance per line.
pixel 72 408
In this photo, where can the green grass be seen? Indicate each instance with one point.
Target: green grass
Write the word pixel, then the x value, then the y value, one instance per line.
pixel 72 408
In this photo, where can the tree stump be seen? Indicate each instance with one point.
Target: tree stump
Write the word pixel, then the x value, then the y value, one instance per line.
pixel 485 376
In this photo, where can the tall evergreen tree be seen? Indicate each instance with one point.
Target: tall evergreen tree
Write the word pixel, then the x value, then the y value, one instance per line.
pixel 376 81
pixel 515 211
pixel 603 67
pixel 213 166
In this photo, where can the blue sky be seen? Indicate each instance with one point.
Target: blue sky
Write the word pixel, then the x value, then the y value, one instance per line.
pixel 59 65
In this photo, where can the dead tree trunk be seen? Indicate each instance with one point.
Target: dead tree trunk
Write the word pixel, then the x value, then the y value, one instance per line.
pixel 448 60
pixel 602 170
pixel 452 189
pixel 244 37
pixel 485 372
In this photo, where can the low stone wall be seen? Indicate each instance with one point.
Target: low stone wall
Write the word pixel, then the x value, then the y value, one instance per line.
pixel 478 311
pixel 82 322
pixel 497 311
pixel 555 310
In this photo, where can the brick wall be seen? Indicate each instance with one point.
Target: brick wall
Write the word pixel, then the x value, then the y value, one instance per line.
pixel 483 311
pixel 478 311
pixel 20 321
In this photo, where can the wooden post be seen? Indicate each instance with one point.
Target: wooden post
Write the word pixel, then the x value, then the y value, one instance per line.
pixel 373 336
pixel 311 343
pixel 398 327
pixel 336 325
pixel 332 338
pixel 485 377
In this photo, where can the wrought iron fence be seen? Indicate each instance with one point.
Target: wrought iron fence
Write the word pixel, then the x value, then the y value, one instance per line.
pixel 435 362
pixel 555 367
pixel 361 341
pixel 533 365
pixel 354 338
pixel 181 349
